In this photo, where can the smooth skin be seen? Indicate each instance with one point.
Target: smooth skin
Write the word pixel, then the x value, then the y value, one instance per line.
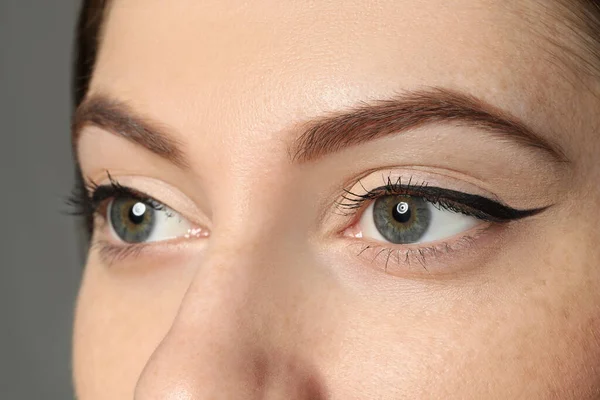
pixel 275 302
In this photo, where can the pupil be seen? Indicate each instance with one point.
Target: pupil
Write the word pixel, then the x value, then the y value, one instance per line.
pixel 137 213
pixel 402 212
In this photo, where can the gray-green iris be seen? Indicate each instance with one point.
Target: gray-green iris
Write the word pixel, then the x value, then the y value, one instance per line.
pixel 401 219
pixel 131 219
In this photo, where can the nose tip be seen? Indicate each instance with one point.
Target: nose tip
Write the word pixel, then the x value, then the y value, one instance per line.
pixel 256 377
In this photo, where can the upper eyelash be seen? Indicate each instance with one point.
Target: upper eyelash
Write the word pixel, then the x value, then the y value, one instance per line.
pixel 87 199
pixel 390 188
pixel 451 200
pixel 79 205
pixel 104 192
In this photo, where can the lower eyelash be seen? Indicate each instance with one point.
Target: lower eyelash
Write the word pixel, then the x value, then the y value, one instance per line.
pixel 111 253
pixel 407 256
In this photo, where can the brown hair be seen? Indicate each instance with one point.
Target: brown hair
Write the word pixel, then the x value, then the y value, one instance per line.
pixel 87 37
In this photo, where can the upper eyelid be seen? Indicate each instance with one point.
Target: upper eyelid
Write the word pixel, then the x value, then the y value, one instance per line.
pixel 188 205
pixel 410 185
pixel 116 187
pixel 399 188
pixel 479 206
pixel 360 202
pixel 123 190
pixel 113 192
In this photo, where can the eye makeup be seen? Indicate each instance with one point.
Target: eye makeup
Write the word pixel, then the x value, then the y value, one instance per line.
pixel 424 221
pixel 451 200
pixel 87 200
pixel 400 209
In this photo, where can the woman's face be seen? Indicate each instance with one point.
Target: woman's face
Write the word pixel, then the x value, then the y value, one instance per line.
pixel 350 200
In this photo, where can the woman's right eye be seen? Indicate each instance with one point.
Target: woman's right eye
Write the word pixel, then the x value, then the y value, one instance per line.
pixel 404 219
pixel 133 220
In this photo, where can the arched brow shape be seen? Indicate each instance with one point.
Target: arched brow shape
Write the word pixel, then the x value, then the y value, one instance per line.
pixel 330 134
pixel 411 110
pixel 118 118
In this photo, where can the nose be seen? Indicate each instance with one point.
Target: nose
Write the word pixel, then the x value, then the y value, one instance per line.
pixel 238 334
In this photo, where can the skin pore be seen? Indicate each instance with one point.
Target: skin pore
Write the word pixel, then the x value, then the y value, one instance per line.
pixel 253 124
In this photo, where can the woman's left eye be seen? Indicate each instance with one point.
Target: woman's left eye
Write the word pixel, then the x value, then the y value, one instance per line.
pixel 133 220
pixel 404 219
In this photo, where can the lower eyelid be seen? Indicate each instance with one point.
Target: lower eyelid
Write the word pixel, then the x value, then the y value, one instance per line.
pixel 144 254
pixel 435 258
pixel 111 253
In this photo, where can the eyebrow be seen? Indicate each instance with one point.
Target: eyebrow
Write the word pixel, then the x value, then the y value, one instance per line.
pixel 411 110
pixel 332 133
pixel 118 118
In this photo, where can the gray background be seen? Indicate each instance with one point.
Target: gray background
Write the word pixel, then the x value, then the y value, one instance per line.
pixel 40 265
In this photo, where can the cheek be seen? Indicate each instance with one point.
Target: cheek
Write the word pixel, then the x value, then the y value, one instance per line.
pixel 120 320
pixel 529 330
pixel 527 325
pixel 504 349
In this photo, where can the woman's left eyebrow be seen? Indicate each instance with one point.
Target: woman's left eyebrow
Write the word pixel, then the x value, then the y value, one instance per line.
pixel 414 109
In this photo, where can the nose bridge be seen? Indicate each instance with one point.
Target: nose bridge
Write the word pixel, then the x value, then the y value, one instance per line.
pixel 233 287
pixel 239 329
pixel 234 291
pixel 231 336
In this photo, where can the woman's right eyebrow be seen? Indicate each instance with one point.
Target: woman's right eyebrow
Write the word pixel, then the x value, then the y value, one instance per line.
pixel 118 118
pixel 334 132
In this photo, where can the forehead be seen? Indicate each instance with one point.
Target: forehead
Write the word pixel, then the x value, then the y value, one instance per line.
pixel 238 66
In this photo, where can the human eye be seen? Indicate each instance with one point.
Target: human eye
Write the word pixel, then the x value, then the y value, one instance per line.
pixel 407 219
pixel 126 220
pixel 412 219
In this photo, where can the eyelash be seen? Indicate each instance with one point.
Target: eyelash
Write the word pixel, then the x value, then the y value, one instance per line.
pixel 90 200
pixel 354 204
pixel 446 199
